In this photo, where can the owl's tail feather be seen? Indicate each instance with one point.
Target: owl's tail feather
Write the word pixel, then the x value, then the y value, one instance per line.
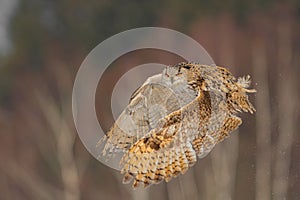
pixel 238 99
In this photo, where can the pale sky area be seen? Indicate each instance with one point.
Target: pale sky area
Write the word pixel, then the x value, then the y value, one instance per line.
pixel 6 9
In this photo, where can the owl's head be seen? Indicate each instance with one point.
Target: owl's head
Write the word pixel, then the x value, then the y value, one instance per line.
pixel 175 74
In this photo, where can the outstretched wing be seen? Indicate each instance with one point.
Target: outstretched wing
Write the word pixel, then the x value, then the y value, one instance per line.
pixel 149 105
pixel 168 149
pixel 162 155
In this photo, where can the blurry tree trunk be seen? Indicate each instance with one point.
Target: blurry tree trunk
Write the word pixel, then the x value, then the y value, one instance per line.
pixel 209 192
pixel 140 194
pixel 286 105
pixel 29 181
pixel 174 190
pixel 224 156
pixel 65 140
pixel 263 122
pixel 183 187
pixel 188 185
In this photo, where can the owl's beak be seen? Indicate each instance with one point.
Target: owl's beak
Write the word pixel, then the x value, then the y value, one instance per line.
pixel 172 79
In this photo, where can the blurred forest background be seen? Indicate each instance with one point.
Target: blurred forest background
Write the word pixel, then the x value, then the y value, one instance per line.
pixel 43 43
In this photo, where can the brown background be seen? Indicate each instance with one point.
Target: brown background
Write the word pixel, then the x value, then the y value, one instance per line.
pixel 41 156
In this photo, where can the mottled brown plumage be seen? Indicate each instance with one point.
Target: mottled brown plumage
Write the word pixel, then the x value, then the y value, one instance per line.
pixel 175 117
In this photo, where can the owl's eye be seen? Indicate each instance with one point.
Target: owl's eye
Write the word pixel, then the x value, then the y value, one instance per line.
pixel 186 66
pixel 167 75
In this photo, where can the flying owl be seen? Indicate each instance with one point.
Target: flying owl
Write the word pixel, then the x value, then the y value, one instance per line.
pixel 174 118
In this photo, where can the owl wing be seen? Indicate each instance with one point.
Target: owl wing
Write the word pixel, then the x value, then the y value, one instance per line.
pixel 227 95
pixel 153 79
pixel 161 155
pixel 150 103
pixel 168 150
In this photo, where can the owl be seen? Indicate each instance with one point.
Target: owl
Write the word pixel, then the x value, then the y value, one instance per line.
pixel 174 118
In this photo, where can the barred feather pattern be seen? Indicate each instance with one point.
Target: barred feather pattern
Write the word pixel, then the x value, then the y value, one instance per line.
pixel 175 117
